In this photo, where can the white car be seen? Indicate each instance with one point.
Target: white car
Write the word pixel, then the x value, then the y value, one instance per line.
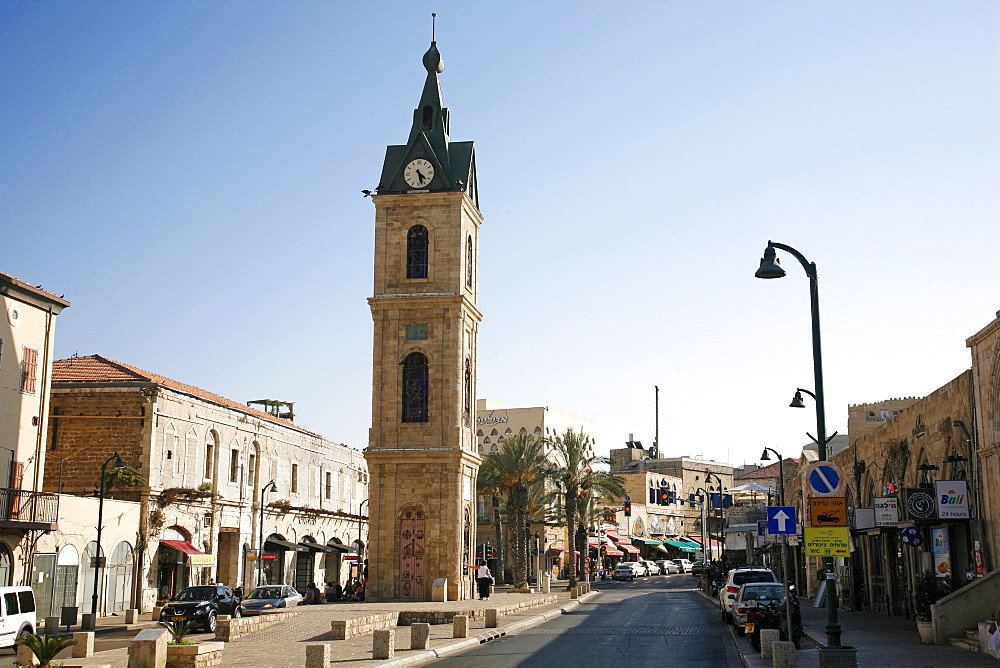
pixel 17 614
pixel 639 568
pixel 669 566
pixel 686 565
pixel 652 567
pixel 624 572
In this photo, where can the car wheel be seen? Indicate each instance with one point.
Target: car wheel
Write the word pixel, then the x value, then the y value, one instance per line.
pixel 755 641
pixel 741 630
pixel 210 622
pixel 722 614
pixel 237 613
pixel 729 618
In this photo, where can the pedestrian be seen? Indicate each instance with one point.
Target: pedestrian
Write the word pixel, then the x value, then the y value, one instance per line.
pixel 359 592
pixel 333 592
pixel 348 591
pixel 484 578
pixel 364 573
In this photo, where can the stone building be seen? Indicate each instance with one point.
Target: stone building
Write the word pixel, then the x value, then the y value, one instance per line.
pixel 27 341
pixel 421 446
pixel 207 462
pixel 985 348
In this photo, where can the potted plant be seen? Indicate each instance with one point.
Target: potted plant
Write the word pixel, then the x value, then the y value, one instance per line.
pixel 181 651
pixel 45 647
pixel 927 590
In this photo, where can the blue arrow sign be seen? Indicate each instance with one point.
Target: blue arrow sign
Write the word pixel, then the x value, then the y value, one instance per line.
pixel 825 479
pixel 781 520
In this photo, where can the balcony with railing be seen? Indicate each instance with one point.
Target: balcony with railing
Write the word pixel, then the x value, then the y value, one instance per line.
pixel 28 510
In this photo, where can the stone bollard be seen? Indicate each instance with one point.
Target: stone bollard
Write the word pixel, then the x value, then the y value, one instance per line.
pixel 547 580
pixel 586 588
pixel 384 644
pixel 156 613
pixel 574 592
pixel 51 626
pixel 84 646
pixel 783 654
pixel 132 616
pixel 88 622
pixel 492 617
pixel 460 626
pixel 148 649
pixel 420 635
pixel 318 656
pixel 25 657
pixel 767 638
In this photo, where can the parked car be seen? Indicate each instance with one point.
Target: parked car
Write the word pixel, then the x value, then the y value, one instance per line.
pixel 202 605
pixel 17 614
pixel 669 566
pixel 652 567
pixel 639 568
pixel 624 572
pixel 685 565
pixel 269 598
pixel 748 595
pixel 735 579
pixel 697 568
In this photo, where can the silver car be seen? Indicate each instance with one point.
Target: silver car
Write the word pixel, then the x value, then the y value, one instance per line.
pixel 748 596
pixel 669 566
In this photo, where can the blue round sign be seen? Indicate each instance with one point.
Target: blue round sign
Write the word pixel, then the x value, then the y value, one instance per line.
pixel 825 479
pixel 912 536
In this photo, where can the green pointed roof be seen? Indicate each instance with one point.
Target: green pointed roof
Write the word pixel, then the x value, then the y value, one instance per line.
pixel 454 162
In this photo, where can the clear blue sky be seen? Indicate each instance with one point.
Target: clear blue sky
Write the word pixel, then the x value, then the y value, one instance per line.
pixel 188 174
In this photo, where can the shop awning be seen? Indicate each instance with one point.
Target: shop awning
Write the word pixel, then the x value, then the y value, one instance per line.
pixel 664 550
pixel 337 547
pixel 316 547
pixel 612 552
pixel 631 549
pixel 647 542
pixel 684 544
pixel 284 544
pixel 182 546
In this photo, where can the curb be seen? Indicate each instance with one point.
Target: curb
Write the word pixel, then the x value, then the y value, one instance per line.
pixel 489 634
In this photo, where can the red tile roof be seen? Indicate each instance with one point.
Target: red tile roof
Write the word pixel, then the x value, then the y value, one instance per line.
pixel 772 471
pixel 97 369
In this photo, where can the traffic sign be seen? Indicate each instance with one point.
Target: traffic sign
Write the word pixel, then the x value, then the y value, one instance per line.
pixel 780 520
pixel 825 479
pixel 827 541
pixel 828 511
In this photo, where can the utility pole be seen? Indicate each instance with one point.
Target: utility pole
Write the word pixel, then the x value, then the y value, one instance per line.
pixel 656 438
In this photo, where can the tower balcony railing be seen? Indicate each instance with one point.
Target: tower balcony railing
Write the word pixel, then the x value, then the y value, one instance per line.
pixel 25 509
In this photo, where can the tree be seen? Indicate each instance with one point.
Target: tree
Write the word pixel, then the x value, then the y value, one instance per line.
pixel 45 647
pixel 575 474
pixel 513 470
pixel 490 483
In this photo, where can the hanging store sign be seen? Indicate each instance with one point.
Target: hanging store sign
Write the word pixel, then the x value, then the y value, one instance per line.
pixel 251 555
pixel 920 504
pixel 201 559
pixel 942 552
pixel 886 511
pixel 952 499
pixel 864 518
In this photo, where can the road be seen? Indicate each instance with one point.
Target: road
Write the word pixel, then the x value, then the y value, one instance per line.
pixel 659 620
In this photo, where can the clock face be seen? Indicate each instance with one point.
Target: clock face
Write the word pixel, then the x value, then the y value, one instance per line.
pixel 419 173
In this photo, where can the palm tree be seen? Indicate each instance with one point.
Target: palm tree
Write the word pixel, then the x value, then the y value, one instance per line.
pixel 490 483
pixel 45 647
pixel 576 476
pixel 514 470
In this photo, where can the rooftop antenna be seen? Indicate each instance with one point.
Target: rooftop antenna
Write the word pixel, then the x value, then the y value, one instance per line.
pixel 433 26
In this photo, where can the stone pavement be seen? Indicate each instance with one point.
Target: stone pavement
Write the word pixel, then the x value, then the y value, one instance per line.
pixel 283 644
pixel 882 641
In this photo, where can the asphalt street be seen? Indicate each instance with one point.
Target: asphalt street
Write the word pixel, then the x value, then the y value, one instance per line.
pixel 659 620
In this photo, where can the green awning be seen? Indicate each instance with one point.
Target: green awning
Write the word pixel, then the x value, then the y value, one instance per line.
pixel 647 542
pixel 686 546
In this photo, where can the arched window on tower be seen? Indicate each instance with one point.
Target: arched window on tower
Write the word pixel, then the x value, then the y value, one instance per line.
pixel 416 252
pixel 467 408
pixel 468 262
pixel 427 122
pixel 416 388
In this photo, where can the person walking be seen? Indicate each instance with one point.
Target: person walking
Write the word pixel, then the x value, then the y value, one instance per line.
pixel 484 578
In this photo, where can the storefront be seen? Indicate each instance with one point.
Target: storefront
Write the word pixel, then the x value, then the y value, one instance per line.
pixel 274 559
pixel 181 564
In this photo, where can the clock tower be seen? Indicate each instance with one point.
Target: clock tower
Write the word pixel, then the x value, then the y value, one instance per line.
pixel 421 448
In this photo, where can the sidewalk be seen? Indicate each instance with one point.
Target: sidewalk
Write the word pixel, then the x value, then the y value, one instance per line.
pixel 881 640
pixel 283 644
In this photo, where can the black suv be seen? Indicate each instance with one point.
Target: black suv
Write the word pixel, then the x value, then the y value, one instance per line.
pixel 201 605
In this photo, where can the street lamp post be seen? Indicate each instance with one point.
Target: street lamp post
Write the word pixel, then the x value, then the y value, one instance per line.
pixel 269 487
pixel 361 561
pixel 784 538
pixel 704 530
pixel 770 268
pixel 99 560
pixel 722 506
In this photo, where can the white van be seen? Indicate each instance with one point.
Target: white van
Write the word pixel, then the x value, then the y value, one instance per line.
pixel 17 613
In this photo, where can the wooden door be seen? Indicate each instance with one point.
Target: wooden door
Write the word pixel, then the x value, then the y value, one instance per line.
pixel 412 566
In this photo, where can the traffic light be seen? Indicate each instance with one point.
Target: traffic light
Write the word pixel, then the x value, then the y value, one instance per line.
pixel 628 509
pixel 664 496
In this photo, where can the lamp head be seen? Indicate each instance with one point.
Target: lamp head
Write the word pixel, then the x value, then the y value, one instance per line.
pixel 769 265
pixel 797 401
pixel 119 464
pixel 765 457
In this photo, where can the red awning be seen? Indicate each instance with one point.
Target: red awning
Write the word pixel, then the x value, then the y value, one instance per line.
pixel 629 548
pixel 611 552
pixel 594 541
pixel 182 545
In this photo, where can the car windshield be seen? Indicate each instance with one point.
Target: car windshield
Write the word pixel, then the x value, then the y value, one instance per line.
pixel 197 594
pixel 752 576
pixel 266 593
pixel 772 592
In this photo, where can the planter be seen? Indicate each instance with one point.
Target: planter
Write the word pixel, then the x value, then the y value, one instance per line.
pixel 926 631
pixel 835 657
pixel 201 655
